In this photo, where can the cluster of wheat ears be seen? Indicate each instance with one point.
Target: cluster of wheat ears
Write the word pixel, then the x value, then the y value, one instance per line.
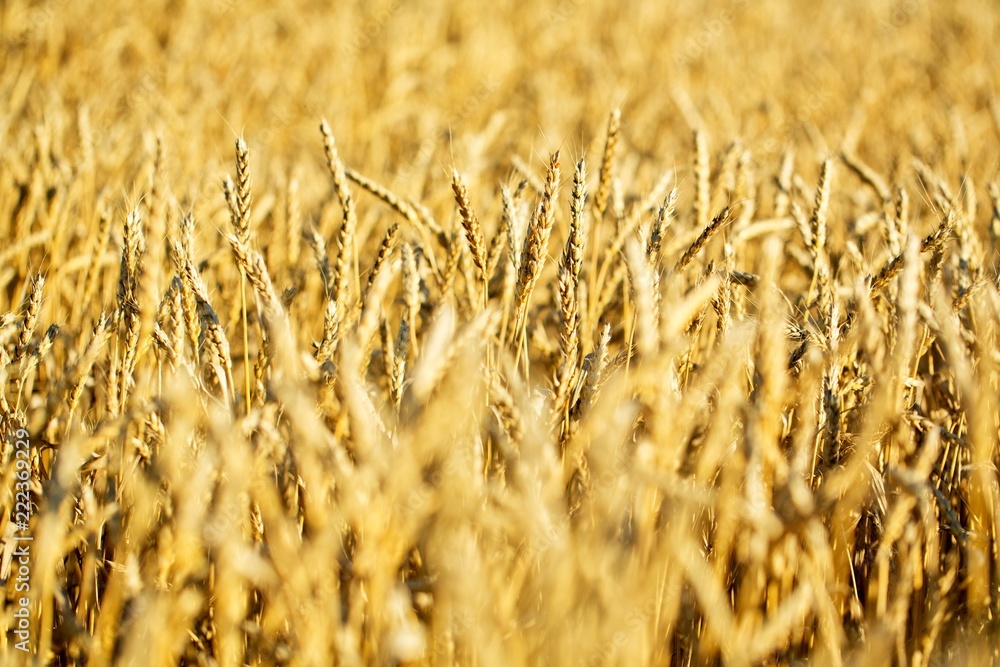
pixel 743 412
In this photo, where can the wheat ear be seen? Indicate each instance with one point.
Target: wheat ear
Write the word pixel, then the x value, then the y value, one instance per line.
pixel 348 230
pixel 932 242
pixel 239 208
pixel 30 320
pixel 384 250
pixel 411 292
pixel 717 222
pixel 84 364
pixel 535 246
pixel 569 287
pixel 129 311
pixel 608 163
pixel 471 227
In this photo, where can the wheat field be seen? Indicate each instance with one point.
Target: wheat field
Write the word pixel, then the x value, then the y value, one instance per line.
pixel 474 333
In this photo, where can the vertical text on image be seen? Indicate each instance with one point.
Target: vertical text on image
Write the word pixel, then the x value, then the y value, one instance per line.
pixel 22 552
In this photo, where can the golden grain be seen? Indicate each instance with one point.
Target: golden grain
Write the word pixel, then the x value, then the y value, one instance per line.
pixel 463 436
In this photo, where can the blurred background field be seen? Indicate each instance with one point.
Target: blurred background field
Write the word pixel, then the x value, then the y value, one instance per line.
pixel 396 78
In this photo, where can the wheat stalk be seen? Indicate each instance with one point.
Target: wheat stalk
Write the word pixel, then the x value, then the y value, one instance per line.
pixel 129 307
pixel 701 175
pixel 706 235
pixel 239 201
pixel 345 238
pixel 535 247
pixel 569 285
pixel 473 230
pixel 607 163
pixel 29 321
pixel 781 451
